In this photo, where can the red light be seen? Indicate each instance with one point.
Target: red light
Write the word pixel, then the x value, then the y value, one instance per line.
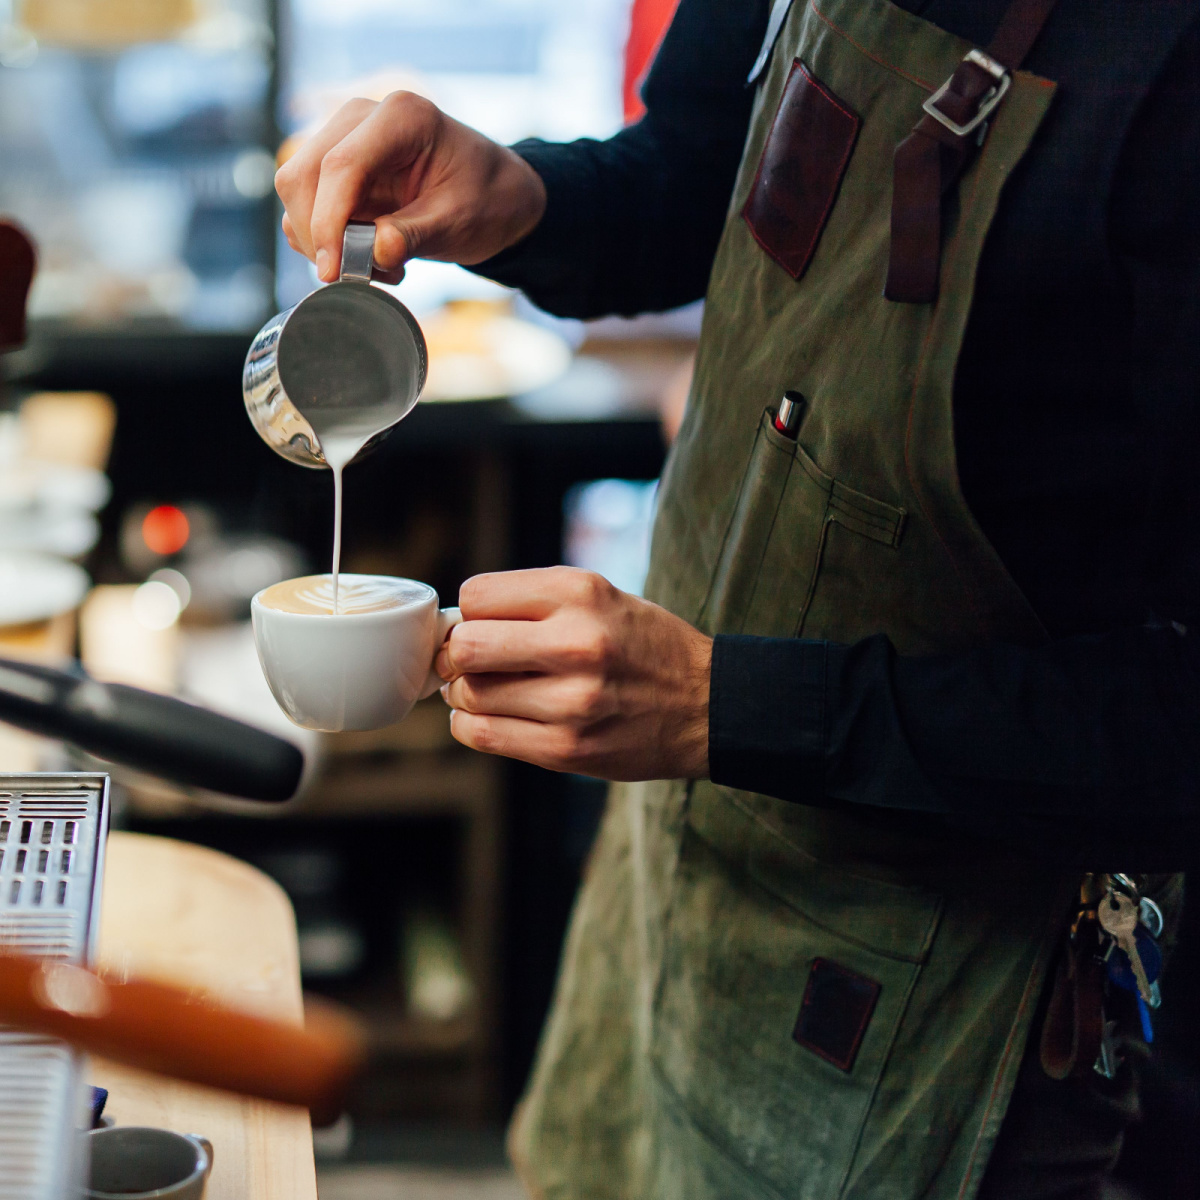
pixel 165 529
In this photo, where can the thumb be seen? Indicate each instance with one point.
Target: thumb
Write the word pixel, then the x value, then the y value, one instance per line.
pixel 416 229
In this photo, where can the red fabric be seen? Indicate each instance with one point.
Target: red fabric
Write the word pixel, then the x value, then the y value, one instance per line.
pixel 648 22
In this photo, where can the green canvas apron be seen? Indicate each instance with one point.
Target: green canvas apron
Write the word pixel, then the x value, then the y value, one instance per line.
pixel 668 1068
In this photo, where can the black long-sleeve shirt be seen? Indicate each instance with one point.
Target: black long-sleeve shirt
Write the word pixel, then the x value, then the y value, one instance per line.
pixel 1077 409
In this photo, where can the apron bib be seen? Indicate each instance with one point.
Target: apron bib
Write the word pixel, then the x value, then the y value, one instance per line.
pixel 763 999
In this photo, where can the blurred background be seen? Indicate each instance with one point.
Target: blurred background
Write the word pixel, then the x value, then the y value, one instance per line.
pixel 139 512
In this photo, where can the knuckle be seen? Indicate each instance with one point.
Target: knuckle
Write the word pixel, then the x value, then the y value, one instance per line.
pixel 460 696
pixel 409 238
pixel 357 108
pixel 567 746
pixel 589 588
pixel 490 739
pixel 463 649
pixel 591 700
pixel 400 98
pixel 594 650
pixel 468 595
pixel 581 752
pixel 471 594
pixel 409 104
pixel 391 242
pixel 339 158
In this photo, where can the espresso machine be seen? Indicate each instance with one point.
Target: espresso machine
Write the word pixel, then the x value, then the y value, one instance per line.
pixel 52 837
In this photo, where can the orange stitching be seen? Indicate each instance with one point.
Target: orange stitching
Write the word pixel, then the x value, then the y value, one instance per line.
pixel 844 1064
pixel 856 121
pixel 806 257
pixel 921 83
pixel 825 91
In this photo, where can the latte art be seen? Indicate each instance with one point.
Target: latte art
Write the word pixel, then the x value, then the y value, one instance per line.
pixel 314 594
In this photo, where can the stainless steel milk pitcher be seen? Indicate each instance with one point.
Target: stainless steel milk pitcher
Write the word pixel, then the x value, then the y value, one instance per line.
pixel 348 358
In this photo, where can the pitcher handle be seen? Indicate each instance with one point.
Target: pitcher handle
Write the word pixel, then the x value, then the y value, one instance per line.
pixel 358 258
pixel 447 618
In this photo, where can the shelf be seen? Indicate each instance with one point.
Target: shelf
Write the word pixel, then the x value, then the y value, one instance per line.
pixel 396 1033
pixel 392 1030
pixel 411 784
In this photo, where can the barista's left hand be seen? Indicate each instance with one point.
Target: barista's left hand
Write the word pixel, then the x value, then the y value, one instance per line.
pixel 559 668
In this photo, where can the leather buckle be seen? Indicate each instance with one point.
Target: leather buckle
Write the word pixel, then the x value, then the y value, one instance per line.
pixel 987 102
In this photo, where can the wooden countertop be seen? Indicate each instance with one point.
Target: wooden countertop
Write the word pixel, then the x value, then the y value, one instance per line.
pixel 189 916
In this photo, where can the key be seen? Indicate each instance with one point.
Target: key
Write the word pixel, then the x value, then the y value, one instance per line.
pixel 1151 916
pixel 1120 969
pixel 1118 915
pixel 1124 883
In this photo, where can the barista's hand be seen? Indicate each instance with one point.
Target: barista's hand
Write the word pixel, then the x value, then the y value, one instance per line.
pixel 433 187
pixel 559 668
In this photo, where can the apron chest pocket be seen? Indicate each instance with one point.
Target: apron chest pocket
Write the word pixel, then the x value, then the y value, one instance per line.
pixel 774 548
pixel 800 171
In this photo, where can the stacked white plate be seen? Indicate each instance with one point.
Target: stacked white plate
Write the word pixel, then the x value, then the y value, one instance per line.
pixel 38 587
pixel 51 508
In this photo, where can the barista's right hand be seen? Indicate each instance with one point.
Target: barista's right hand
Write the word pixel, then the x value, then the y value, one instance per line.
pixel 434 187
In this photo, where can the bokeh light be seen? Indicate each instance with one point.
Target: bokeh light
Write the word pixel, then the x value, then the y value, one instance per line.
pixel 165 529
pixel 156 605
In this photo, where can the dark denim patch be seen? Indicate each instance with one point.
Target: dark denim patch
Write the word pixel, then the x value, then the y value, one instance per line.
pixel 835 1012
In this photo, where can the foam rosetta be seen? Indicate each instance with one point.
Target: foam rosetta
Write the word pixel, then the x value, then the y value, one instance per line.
pixel 356 594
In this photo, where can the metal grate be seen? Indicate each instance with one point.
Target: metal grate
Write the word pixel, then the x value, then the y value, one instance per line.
pixel 52 830
pixel 47 852
pixel 39 1090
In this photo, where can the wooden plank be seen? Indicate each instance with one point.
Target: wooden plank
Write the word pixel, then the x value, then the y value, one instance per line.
pixel 187 915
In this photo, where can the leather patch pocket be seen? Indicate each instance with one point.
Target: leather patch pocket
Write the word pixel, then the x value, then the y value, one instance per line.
pixel 835 1012
pixel 800 171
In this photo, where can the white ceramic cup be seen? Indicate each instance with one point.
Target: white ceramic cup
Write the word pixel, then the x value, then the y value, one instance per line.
pixel 135 1162
pixel 356 670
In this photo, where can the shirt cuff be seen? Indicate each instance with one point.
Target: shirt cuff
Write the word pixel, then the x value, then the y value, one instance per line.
pixel 768 715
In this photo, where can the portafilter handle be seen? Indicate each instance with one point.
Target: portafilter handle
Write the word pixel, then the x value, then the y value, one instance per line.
pixel 158 734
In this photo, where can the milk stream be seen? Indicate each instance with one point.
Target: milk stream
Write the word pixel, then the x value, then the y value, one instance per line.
pixel 339 449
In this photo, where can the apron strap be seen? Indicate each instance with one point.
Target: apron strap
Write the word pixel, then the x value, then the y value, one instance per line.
pixel 779 12
pixel 1073 1028
pixel 929 161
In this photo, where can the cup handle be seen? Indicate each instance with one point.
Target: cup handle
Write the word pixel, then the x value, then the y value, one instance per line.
pixel 447 618
pixel 208 1148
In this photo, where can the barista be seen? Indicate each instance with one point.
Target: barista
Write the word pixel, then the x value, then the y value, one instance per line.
pixel 917 662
